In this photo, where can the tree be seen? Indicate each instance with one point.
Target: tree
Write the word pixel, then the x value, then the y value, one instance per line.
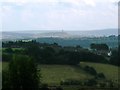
pixel 9 50
pixel 101 75
pixel 22 74
pixel 99 46
pixel 90 70
pixel 78 46
pixel 6 57
pixel 48 55
pixel 115 58
pixel 33 51
pixel 73 58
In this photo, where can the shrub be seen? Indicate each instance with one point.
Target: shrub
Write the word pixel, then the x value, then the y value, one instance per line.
pixel 90 82
pixel 44 87
pixel 71 82
pixel 101 76
pixel 59 88
pixel 90 70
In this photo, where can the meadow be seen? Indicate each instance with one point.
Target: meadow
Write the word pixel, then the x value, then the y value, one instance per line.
pixel 110 71
pixel 53 74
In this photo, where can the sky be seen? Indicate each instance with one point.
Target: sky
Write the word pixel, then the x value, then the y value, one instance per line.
pixel 21 15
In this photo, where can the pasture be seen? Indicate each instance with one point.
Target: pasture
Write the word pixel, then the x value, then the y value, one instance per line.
pixel 53 74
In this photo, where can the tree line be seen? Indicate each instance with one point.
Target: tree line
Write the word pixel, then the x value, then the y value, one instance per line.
pixel 51 53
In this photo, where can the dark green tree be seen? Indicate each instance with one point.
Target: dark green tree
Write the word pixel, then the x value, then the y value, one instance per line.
pixel 22 74
pixel 115 58
pixel 6 57
pixel 99 46
pixel 8 50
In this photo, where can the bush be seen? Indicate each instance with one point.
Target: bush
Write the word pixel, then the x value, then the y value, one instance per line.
pixel 70 82
pixel 59 88
pixel 101 75
pixel 90 70
pixel 90 82
pixel 44 87
pixel 102 84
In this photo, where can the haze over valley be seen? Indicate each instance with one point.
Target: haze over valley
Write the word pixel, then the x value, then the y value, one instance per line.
pixel 57 34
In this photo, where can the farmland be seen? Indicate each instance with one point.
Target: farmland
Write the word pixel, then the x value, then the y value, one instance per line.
pixel 71 68
pixel 56 73
pixel 53 74
pixel 110 71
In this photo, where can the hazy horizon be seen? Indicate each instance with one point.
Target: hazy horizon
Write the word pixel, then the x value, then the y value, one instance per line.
pixel 100 29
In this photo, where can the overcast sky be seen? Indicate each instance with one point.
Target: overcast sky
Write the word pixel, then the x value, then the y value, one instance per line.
pixel 58 14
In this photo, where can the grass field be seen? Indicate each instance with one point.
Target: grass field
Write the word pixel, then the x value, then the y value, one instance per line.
pixel 53 74
pixel 110 71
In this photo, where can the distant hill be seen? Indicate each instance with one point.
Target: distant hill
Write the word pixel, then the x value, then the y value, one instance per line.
pixel 67 38
pixel 111 41
pixel 16 35
pixel 59 34
pixel 95 33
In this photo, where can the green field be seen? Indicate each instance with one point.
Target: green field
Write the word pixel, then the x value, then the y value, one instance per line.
pixel 110 71
pixel 53 74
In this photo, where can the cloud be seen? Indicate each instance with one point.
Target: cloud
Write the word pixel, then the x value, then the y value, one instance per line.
pixel 74 2
pixel 90 2
pixel 57 14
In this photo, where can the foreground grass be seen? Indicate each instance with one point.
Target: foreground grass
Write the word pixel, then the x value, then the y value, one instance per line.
pixel 53 74
pixel 110 71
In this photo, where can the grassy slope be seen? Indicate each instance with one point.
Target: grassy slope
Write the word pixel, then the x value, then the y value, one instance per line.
pixel 56 73
pixel 110 71
pixel 53 74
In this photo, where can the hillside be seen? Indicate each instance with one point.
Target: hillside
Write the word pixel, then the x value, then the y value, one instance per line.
pixel 53 74
pixel 67 38
pixel 110 71
pixel 59 66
